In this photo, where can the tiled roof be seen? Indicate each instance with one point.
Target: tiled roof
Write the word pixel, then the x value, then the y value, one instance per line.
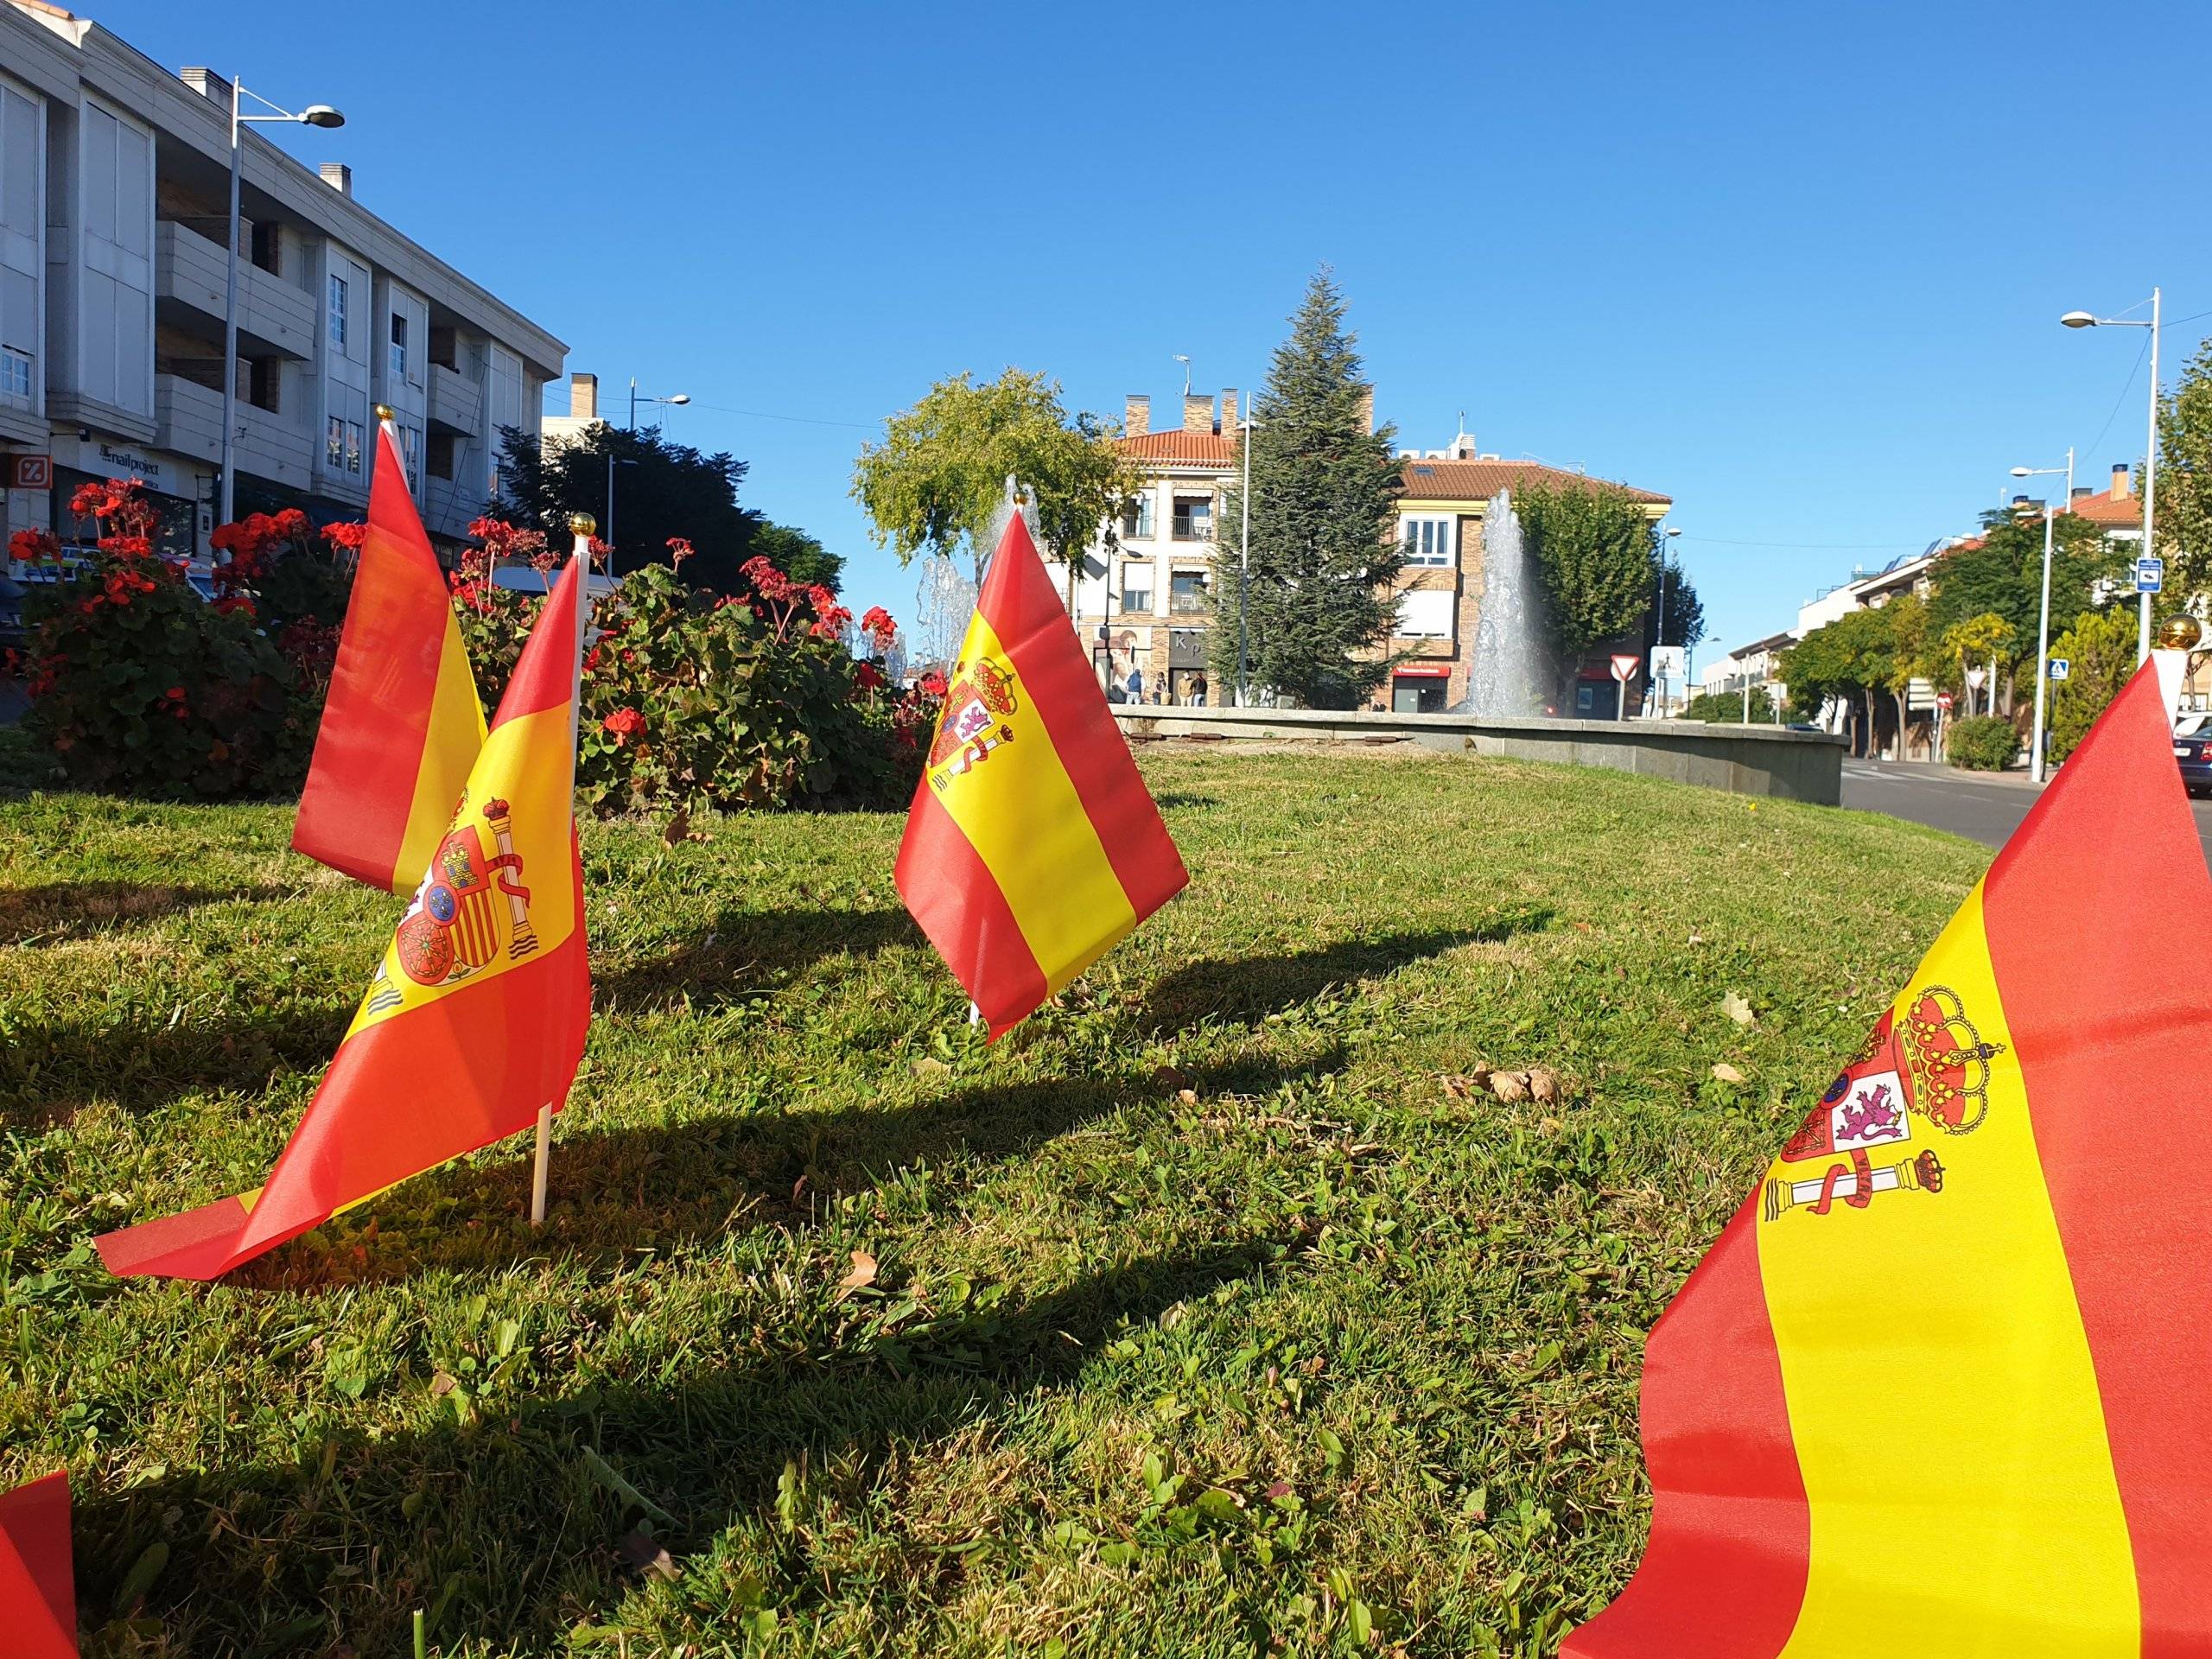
pixel 2116 512
pixel 1479 480
pixel 1201 449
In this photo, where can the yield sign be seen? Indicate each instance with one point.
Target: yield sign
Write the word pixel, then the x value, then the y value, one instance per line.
pixel 1624 666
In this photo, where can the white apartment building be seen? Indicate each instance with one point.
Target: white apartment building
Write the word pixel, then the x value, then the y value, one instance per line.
pixel 114 205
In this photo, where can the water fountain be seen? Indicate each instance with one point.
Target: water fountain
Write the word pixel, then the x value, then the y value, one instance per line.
pixel 1511 673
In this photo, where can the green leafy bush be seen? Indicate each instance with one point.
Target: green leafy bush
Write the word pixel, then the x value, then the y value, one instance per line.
pixel 1981 743
pixel 2099 652
pixel 137 683
pixel 1727 706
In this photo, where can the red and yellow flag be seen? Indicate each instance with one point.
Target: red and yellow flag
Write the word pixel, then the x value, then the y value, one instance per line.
pixel 1944 1385
pixel 474 1019
pixel 401 724
pixel 1031 846
pixel 38 1587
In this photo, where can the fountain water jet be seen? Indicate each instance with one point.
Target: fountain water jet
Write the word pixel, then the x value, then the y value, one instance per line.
pixel 1511 672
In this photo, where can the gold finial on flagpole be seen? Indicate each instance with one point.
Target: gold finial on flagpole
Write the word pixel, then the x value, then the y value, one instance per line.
pixel 386 412
pixel 582 524
pixel 2180 633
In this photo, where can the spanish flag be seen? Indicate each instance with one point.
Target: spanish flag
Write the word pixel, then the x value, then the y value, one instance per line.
pixel 1944 1385
pixel 1031 846
pixel 402 725
pixel 38 1589
pixel 475 1017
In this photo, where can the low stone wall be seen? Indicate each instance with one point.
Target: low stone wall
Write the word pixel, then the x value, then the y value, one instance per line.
pixel 1742 760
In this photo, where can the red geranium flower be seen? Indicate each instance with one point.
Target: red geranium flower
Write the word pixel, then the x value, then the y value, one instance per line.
pixel 879 627
pixel 32 545
pixel 679 549
pixel 345 537
pixel 625 724
pixel 769 582
pixel 932 685
pixel 869 677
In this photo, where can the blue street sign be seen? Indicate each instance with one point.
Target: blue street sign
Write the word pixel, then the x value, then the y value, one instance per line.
pixel 2149 574
pixel 2060 667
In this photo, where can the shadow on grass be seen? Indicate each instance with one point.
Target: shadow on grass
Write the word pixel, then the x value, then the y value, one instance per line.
pixel 741 953
pixel 509 1517
pixel 1244 990
pixel 55 910
pixel 47 1072
pixel 1174 798
pixel 658 1185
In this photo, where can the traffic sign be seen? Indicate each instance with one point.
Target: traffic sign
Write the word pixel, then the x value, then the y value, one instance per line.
pixel 2060 667
pixel 1942 700
pixel 1624 667
pixel 2149 574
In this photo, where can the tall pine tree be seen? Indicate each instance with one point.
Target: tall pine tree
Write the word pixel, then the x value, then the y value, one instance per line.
pixel 1317 604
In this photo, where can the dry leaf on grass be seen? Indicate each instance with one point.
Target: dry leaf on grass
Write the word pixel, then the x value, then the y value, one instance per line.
pixel 1737 1008
pixel 1509 1086
pixel 1465 1086
pixel 861 1276
pixel 1543 1083
pixel 1727 1073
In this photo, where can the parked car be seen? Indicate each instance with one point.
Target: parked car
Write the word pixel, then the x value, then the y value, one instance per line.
pixel 2193 752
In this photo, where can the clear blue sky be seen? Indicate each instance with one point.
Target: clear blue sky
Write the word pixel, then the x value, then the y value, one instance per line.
pixel 1797 267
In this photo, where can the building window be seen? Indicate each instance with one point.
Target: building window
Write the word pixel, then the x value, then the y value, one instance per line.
pixel 1137 585
pixel 337 312
pixel 1425 613
pixel 1186 592
pixel 410 452
pixel 1426 541
pixel 1136 517
pixel 15 373
pixel 353 447
pixel 398 347
pixel 1194 518
pixel 334 443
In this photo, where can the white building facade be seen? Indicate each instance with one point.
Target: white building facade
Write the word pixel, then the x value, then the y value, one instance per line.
pixel 114 197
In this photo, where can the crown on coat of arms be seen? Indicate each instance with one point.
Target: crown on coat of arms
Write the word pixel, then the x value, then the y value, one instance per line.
pixel 1948 1059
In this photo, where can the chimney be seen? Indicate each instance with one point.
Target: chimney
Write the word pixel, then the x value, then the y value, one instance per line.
pixel 1197 412
pixel 338 176
pixel 1137 416
pixel 209 84
pixel 2081 490
pixel 2123 481
pixel 1228 411
pixel 1367 410
pixel 583 397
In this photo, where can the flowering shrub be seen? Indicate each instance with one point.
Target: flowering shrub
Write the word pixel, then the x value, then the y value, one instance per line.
pixel 273 572
pixel 693 700
pixel 136 683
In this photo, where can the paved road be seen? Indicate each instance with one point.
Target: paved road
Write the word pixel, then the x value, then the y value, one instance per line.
pixel 1986 810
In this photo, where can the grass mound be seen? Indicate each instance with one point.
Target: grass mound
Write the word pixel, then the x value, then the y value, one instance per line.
pixel 1199 1312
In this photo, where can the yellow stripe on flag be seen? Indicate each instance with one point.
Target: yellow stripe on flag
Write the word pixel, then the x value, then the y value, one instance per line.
pixel 452 739
pixel 1022 816
pixel 539 800
pixel 1941 1392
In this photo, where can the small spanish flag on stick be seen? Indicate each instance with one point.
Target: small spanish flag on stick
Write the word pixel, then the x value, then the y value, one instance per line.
pixel 1031 846
pixel 401 724
pixel 38 1589
pixel 474 1021
pixel 1944 1385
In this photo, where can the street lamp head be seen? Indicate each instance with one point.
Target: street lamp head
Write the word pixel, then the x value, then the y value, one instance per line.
pixel 2024 472
pixel 2078 319
pixel 1671 530
pixel 322 115
pixel 680 397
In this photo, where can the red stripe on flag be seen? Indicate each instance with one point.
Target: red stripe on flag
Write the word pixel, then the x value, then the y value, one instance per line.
pixel 2095 914
pixel 950 892
pixel 546 678
pixel 1019 602
pixel 368 750
pixel 1723 1575
pixel 38 1586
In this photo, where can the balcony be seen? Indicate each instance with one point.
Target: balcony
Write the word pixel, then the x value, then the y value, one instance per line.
pixel 1194 530
pixel 189 275
pixel 456 402
pixel 188 417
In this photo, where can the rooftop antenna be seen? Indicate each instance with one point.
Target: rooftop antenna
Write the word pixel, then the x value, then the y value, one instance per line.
pixel 1185 362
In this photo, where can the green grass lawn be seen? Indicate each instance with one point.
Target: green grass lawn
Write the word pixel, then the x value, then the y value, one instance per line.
pixel 1204 1318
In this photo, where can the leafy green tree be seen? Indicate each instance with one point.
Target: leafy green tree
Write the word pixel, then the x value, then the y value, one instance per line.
pixel 661 490
pixel 799 555
pixel 1907 615
pixel 1726 708
pixel 1317 603
pixel 2185 526
pixel 1851 659
pixel 937 482
pixel 1598 555
pixel 1982 641
pixel 2000 574
pixel 2099 653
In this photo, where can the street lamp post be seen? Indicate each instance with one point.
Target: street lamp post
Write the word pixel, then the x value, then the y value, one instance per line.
pixel 612 463
pixel 1659 635
pixel 2043 623
pixel 2089 319
pixel 316 115
pixel 1244 565
pixel 679 397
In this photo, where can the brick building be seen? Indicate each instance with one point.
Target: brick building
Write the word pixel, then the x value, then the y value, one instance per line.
pixel 1143 604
